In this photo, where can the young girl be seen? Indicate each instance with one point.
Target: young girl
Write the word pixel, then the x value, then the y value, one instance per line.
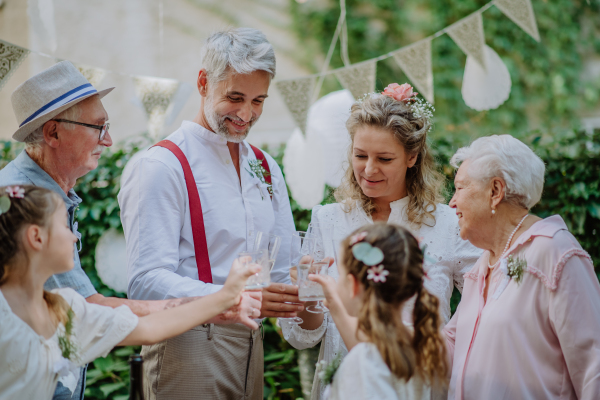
pixel 44 335
pixel 380 268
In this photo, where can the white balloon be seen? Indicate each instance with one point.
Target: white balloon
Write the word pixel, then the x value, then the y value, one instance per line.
pixel 111 260
pixel 486 89
pixel 303 167
pixel 327 120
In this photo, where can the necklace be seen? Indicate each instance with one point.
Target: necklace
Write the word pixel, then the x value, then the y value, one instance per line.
pixel 507 244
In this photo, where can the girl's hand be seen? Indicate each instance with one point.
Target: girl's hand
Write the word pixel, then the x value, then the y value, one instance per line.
pixel 329 284
pixel 236 280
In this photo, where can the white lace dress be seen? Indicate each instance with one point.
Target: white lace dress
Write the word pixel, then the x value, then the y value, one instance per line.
pixel 453 258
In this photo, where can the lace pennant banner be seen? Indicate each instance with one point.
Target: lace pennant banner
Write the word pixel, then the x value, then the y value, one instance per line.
pixel 156 95
pixel 297 94
pixel 11 57
pixel 92 74
pixel 415 61
pixel 359 79
pixel 468 35
pixel 521 12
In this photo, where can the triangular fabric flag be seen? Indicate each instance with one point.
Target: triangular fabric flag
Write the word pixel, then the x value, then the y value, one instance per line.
pixel 415 61
pixel 359 79
pixel 521 12
pixel 297 94
pixel 468 35
pixel 93 74
pixel 11 57
pixel 156 95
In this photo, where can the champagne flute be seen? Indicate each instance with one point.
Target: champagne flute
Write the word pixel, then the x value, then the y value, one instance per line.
pixel 322 233
pixel 270 243
pixel 301 254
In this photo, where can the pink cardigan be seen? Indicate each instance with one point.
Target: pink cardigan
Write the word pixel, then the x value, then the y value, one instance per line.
pixel 539 339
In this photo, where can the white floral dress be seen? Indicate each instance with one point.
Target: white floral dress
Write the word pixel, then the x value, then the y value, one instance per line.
pixel 29 360
pixel 453 258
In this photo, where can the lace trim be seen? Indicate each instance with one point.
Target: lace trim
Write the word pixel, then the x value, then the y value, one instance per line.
pixel 472 275
pixel 302 338
pixel 552 284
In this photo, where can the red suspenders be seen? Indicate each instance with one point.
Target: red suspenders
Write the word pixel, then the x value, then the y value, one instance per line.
pixel 198 230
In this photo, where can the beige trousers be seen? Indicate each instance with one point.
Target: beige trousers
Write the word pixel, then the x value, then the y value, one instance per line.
pixel 208 362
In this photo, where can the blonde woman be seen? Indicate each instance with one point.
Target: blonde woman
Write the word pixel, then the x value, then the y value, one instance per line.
pixel 392 178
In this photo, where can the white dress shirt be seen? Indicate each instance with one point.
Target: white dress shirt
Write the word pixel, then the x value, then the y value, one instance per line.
pixel 448 258
pixel 156 216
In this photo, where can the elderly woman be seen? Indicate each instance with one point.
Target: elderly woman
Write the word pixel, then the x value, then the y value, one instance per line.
pixel 529 321
pixel 393 179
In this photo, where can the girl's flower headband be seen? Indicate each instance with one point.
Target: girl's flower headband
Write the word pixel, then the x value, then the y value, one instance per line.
pixel 16 192
pixel 419 107
pixel 369 255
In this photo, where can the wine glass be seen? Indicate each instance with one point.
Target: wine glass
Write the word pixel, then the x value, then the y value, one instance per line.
pixel 270 243
pixel 301 254
pixel 262 278
pixel 322 233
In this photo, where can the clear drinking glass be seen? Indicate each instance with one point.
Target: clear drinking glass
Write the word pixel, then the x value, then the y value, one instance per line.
pixel 269 243
pixel 301 254
pixel 260 279
pixel 323 254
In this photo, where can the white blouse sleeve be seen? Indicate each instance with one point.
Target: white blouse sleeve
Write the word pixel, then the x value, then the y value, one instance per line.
pixel 302 338
pixel 97 329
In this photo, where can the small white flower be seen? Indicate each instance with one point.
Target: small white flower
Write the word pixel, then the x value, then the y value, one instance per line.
pixel 377 274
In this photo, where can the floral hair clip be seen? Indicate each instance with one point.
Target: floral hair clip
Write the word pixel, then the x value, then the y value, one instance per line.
pixel 402 92
pixel 369 255
pixel 13 192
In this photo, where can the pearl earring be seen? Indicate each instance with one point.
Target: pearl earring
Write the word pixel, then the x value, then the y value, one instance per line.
pixel 493 212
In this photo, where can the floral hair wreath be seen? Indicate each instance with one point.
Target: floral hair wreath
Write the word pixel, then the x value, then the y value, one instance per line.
pixel 369 255
pixel 419 107
pixel 15 192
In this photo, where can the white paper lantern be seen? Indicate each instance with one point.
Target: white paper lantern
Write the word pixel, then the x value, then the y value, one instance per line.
pixel 486 89
pixel 327 120
pixel 303 167
pixel 111 260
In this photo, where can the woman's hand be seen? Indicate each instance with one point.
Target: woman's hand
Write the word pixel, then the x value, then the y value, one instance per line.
pixel 244 312
pixel 236 280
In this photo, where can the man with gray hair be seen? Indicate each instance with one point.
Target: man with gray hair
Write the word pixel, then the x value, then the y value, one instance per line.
pixel 191 204
pixel 65 128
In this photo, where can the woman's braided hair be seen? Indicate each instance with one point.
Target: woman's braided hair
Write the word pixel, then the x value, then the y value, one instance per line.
pixel 422 352
pixel 35 208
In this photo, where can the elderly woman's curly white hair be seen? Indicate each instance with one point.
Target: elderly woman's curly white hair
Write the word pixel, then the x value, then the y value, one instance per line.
pixel 507 158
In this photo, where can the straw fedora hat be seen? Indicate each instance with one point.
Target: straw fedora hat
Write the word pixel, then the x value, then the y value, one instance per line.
pixel 47 94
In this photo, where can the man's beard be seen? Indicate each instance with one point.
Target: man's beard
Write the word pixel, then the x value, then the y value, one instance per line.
pixel 219 126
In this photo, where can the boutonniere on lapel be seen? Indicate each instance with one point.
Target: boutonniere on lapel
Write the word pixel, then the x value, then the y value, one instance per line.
pixel 512 268
pixel 259 173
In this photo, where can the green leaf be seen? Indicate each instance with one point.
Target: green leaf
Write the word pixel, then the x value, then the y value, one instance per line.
pixel 108 388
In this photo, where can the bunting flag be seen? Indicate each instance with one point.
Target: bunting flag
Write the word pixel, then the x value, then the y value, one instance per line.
pixel 92 74
pixel 11 57
pixel 359 79
pixel 521 13
pixel 415 61
pixel 297 94
pixel 468 35
pixel 155 95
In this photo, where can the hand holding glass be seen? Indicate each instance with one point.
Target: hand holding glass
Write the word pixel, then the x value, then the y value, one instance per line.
pixel 260 279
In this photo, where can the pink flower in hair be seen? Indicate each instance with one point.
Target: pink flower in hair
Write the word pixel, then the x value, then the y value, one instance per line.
pixel 357 238
pixel 377 274
pixel 15 191
pixel 402 92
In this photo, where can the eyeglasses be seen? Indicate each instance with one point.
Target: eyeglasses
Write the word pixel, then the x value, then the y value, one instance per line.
pixel 102 128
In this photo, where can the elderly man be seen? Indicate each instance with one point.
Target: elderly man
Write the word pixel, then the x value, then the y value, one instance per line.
pixel 181 244
pixel 64 125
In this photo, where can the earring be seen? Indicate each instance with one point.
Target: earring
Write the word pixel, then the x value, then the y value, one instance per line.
pixel 493 211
